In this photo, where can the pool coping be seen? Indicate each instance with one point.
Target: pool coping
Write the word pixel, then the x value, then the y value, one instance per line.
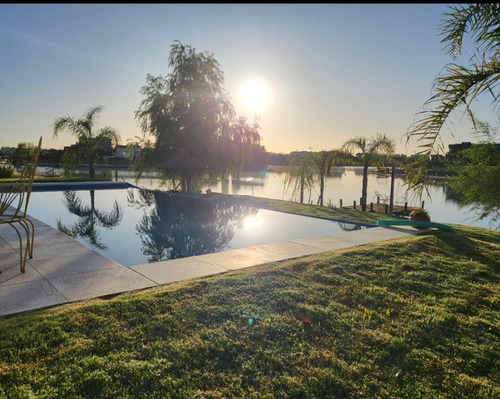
pixel 74 186
pixel 64 270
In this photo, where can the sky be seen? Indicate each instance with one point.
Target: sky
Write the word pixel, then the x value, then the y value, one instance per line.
pixel 332 71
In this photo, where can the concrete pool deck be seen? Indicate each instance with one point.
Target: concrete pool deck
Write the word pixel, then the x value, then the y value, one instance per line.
pixel 64 270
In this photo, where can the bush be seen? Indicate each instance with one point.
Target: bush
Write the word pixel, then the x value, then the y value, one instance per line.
pixel 6 171
pixel 420 214
pixel 106 175
pixel 68 159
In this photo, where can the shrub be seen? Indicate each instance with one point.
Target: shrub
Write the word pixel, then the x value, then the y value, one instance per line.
pixel 106 175
pixel 420 214
pixel 68 159
pixel 6 171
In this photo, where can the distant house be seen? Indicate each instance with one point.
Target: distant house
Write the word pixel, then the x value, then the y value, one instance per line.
pixel 105 150
pixel 121 151
pixel 454 148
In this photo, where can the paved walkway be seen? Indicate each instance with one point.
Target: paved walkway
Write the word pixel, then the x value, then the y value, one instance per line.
pixel 64 270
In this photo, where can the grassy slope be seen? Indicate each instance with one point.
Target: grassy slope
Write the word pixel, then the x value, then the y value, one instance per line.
pixel 301 209
pixel 417 317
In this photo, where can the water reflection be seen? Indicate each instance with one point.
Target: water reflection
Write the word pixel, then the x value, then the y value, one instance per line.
pixel 169 230
pixel 90 219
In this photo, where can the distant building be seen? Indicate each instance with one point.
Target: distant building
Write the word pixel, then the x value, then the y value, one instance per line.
pixel 7 150
pixel 454 148
pixel 121 151
pixel 105 149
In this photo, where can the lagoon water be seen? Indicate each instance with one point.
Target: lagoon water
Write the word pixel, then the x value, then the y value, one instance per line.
pixel 343 184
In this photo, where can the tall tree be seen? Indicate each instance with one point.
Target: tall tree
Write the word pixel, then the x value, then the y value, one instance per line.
pixel 91 140
pixel 369 152
pixel 301 176
pixel 22 153
pixel 476 174
pixel 306 171
pixel 188 109
pixel 459 86
pixel 322 163
pixel 242 141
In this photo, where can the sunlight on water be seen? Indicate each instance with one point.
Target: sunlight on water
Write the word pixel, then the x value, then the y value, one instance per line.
pixel 250 222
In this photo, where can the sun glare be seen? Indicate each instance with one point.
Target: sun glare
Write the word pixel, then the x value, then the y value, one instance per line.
pixel 254 94
pixel 250 222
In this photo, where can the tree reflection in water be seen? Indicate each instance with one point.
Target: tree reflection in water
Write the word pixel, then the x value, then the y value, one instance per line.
pixel 90 219
pixel 174 227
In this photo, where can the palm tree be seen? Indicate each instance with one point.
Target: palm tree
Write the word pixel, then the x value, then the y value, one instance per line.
pixel 459 86
pixel 91 141
pixel 372 151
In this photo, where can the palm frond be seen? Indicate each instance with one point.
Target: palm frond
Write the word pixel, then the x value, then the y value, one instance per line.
pixel 459 87
pixel 481 21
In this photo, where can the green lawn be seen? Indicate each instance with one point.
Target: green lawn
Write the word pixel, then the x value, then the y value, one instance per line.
pixel 301 209
pixel 411 318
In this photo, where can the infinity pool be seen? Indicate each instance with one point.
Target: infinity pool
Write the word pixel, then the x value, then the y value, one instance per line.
pixel 134 226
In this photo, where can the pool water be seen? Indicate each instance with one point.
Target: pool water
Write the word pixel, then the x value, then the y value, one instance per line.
pixel 135 226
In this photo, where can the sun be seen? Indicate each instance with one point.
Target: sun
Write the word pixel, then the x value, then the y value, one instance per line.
pixel 254 94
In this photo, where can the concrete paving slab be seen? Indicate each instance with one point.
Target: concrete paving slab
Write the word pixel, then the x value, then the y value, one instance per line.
pixel 240 258
pixel 61 250
pixel 85 262
pixel 353 238
pixel 43 239
pixel 78 287
pixel 8 232
pixel 177 270
pixel 4 244
pixel 288 249
pixel 16 298
pixel 328 243
pixel 11 274
pixel 10 256
pixel 390 232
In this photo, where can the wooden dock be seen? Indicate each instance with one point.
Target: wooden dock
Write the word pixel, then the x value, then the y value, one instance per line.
pixel 397 210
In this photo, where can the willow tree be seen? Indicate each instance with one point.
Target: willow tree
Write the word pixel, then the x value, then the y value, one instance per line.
pixel 91 141
pixel 459 86
pixel 369 151
pixel 188 109
pixel 476 172
pixel 244 138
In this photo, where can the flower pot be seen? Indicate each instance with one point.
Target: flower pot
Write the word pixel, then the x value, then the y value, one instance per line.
pixel 420 218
